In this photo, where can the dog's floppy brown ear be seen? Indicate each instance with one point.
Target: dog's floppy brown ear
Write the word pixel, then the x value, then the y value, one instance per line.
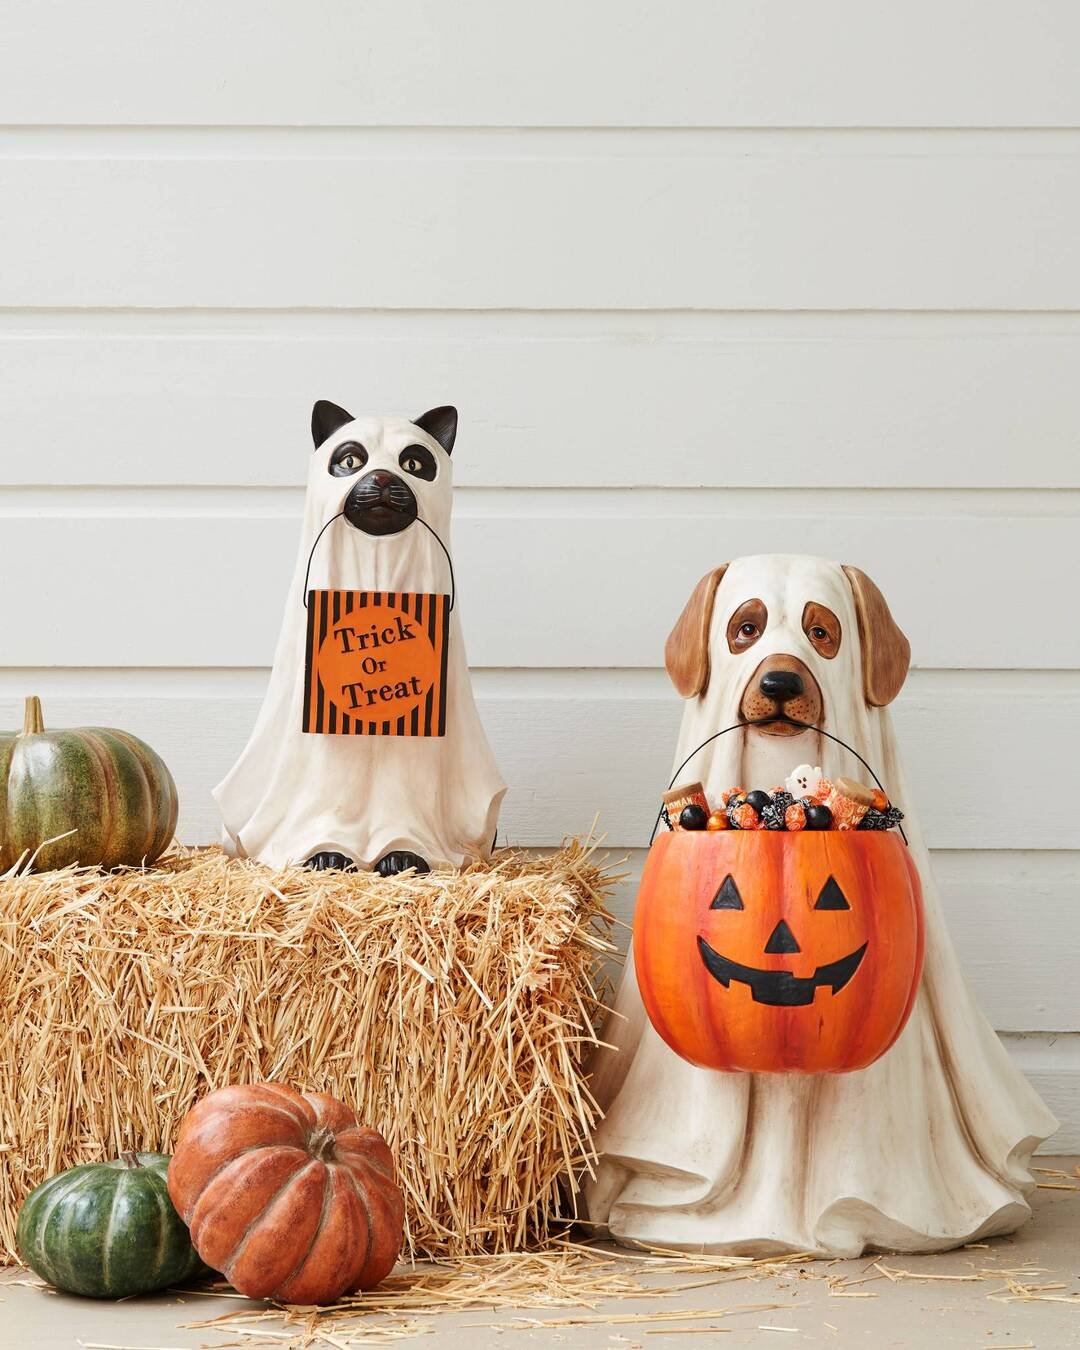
pixel 886 652
pixel 686 652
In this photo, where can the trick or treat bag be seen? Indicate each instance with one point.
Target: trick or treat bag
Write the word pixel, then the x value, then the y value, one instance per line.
pixel 375 663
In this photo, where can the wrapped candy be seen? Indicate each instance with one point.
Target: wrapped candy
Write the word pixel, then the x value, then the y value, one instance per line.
pixel 819 803
pixel 881 820
pixel 849 800
pixel 686 794
pixel 773 816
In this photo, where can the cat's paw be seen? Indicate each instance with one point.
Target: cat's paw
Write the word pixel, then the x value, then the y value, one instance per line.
pixel 330 862
pixel 390 864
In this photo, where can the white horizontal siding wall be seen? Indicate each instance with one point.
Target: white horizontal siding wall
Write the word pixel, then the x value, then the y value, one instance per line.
pixel 703 279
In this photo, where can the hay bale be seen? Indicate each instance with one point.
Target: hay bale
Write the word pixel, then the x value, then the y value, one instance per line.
pixel 454 1011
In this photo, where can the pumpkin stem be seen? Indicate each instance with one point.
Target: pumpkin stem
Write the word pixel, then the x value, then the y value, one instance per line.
pixel 130 1159
pixel 321 1144
pixel 32 719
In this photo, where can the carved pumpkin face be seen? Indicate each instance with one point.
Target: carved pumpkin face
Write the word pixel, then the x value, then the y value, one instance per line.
pixel 770 952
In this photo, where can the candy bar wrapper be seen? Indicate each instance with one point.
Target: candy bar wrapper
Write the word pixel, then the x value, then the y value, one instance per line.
pixel 823 792
pixel 688 794
pixel 846 812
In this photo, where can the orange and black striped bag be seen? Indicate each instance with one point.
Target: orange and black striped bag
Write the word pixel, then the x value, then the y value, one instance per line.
pixel 375 663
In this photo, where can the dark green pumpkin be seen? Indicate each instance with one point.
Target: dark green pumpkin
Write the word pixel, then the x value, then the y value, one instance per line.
pixel 107 1230
pixel 107 786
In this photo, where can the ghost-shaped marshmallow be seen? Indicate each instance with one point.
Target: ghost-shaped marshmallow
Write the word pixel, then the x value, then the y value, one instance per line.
pixel 804 781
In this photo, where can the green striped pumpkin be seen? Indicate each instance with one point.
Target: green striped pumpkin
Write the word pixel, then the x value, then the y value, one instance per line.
pixel 107 1230
pixel 107 786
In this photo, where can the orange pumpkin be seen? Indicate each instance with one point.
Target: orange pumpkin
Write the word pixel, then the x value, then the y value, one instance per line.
pixel 770 952
pixel 285 1194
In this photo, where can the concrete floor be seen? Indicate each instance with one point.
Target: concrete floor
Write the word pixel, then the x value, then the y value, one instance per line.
pixel 937 1313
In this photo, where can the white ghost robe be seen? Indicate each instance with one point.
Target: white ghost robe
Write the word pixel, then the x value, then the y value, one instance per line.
pixel 925 1149
pixel 292 794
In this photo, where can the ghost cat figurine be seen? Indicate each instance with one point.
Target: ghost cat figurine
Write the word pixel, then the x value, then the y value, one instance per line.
pixel 368 751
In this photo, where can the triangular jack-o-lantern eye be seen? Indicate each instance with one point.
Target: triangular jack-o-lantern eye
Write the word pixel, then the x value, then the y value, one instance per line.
pixel 831 897
pixel 727 897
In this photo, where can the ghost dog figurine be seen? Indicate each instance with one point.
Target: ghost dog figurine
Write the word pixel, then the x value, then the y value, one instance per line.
pixel 925 1149
pixel 368 751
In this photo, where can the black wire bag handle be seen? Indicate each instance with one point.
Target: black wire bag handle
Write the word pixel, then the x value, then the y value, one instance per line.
pixel 422 521
pixel 766 721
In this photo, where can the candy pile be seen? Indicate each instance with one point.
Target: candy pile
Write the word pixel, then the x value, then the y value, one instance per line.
pixel 806 801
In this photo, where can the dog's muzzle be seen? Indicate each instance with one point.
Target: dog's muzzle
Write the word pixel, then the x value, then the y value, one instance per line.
pixel 380 503
pixel 782 687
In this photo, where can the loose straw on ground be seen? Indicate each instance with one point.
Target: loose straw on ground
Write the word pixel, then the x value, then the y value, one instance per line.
pixel 455 1012
pixel 598 1281
pixel 562 1275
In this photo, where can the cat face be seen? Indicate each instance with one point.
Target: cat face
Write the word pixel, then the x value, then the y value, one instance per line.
pixel 381 473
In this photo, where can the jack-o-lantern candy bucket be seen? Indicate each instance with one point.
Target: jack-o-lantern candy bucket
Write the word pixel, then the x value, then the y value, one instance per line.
pixel 768 952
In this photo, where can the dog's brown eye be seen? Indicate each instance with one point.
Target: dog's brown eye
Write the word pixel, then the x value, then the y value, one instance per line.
pixel 822 627
pixel 746 625
pixel 350 457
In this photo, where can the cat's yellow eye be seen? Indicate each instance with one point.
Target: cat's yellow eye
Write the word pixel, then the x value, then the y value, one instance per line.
pixel 348 458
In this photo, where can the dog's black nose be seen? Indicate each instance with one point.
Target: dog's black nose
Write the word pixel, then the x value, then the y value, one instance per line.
pixel 380 478
pixel 781 684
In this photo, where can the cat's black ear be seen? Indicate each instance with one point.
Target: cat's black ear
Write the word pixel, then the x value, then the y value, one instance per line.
pixel 325 420
pixel 441 423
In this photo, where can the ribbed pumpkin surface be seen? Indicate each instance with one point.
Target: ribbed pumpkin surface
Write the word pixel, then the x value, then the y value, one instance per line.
pixel 107 1230
pixel 286 1195
pixel 771 952
pixel 109 787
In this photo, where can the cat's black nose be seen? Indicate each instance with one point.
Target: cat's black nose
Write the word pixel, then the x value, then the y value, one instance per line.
pixel 781 685
pixel 380 503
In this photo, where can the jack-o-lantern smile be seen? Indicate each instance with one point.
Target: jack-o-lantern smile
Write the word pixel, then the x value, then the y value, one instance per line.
pixel 781 988
pixel 737 931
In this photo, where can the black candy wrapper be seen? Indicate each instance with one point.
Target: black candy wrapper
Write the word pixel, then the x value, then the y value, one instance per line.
pixel 773 815
pixel 881 820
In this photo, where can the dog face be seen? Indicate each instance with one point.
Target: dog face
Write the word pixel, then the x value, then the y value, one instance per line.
pixel 796 628
pixel 782 687
pixel 382 472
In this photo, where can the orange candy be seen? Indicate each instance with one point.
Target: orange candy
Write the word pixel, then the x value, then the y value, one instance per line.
pixel 718 821
pixel 846 812
pixel 795 817
pixel 880 802
pixel 725 797
pixel 746 818
pixel 824 790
